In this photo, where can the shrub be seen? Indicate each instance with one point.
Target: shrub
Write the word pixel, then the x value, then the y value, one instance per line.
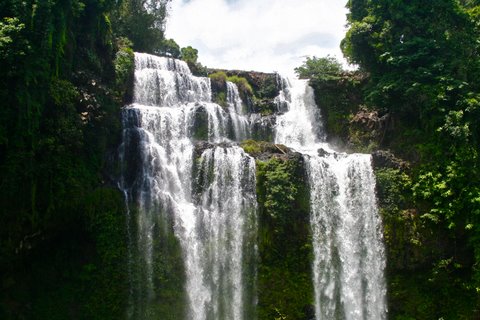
pixel 242 84
pixel 218 76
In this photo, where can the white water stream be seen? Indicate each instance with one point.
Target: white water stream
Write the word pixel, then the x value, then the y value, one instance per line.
pixel 349 257
pixel 210 200
pixel 207 197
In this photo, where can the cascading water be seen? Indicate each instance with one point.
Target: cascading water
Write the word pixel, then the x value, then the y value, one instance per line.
pixel 227 223
pixel 209 202
pixel 240 122
pixel 196 202
pixel 349 258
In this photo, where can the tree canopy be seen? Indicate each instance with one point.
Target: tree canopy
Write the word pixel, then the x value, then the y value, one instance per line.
pixel 326 68
pixel 65 67
pixel 423 62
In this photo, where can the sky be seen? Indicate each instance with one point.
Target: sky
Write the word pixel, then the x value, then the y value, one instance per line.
pixel 260 35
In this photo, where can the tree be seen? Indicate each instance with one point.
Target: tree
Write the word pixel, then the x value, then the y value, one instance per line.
pixel 59 116
pixel 143 22
pixel 327 68
pixel 408 47
pixel 189 54
pixel 423 62
pixel 169 48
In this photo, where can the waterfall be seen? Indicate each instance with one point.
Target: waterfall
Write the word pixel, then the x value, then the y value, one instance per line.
pixel 208 201
pixel 192 208
pixel 296 128
pixel 226 183
pixel 349 257
pixel 235 108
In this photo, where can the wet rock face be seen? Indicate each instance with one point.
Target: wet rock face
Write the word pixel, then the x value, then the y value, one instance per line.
pixel 322 152
pixel 369 120
pixel 386 159
pixel 263 127
pixel 258 99
pixel 132 145
pixel 262 150
pixel 200 124
pixel 367 128
pixel 264 84
pixel 200 147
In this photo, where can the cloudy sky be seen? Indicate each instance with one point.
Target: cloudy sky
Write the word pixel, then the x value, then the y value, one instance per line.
pixel 262 35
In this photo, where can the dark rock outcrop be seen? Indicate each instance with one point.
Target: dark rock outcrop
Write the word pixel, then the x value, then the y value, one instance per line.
pixel 263 127
pixel 200 124
pixel 264 151
pixel 200 147
pixel 386 159
pixel 367 129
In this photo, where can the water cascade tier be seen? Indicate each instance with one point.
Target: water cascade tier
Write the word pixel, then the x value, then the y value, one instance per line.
pixel 192 206
pixel 349 257
pixel 206 201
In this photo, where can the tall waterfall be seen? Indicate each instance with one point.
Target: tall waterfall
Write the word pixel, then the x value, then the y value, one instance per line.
pixel 191 191
pixel 206 197
pixel 349 257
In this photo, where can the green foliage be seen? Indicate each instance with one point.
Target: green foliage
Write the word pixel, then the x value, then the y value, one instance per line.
pixel 200 125
pixel 452 192
pixel 339 101
pixel 282 191
pixel 403 228
pixel 142 21
pixel 221 99
pixel 13 46
pixel 264 93
pixel 167 300
pixel 393 189
pixel 219 86
pixel 416 295
pixel 409 47
pixel 243 86
pixel 423 65
pixel 169 48
pixel 284 273
pixel 414 243
pixel 58 121
pixel 218 76
pixel 219 79
pixel 265 107
pixel 256 148
pixel 104 209
pixel 252 147
pixel 76 272
pixel 267 88
pixel 189 54
pixel 327 68
pixel 124 64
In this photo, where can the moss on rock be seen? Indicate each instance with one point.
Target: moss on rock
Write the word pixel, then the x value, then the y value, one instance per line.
pixel 284 272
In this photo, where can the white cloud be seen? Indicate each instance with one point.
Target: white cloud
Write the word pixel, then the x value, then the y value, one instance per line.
pixel 262 35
